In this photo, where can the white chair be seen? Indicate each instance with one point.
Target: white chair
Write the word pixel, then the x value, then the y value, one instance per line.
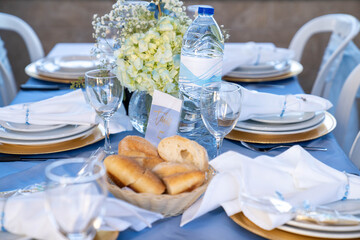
pixel 343 110
pixel 34 47
pixel 346 27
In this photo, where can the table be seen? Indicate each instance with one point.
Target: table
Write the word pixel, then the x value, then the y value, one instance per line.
pixel 213 225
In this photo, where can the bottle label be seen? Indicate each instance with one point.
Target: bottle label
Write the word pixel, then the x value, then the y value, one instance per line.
pixel 198 71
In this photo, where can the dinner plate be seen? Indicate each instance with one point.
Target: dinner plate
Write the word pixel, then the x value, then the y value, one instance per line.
pixel 328 124
pixel 93 136
pixel 22 127
pixel 324 228
pixel 279 132
pixel 313 233
pixel 266 128
pixel 47 141
pixel 290 117
pixel 260 73
pixel 268 66
pixel 31 71
pixel 66 67
pixel 68 130
pixel 277 234
pixel 295 69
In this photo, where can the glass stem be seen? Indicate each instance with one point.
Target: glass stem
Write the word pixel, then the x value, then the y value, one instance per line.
pixel 219 141
pixel 107 136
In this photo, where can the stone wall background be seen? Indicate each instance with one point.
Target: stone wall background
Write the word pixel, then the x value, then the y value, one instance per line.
pixel 247 20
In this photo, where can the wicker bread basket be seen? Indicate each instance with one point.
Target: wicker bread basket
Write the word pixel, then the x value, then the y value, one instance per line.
pixel 167 205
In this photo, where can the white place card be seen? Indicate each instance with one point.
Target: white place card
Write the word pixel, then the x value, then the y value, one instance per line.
pixel 164 117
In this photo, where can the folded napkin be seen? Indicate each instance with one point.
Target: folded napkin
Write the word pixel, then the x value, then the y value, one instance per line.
pixel 27 215
pixel 259 104
pixel 245 54
pixel 257 186
pixel 70 108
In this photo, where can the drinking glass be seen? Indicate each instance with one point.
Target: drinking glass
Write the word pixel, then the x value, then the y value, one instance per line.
pixel 220 105
pixel 75 196
pixel 105 93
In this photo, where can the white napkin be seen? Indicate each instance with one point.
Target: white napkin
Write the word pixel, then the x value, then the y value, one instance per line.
pixel 293 175
pixel 259 104
pixel 70 108
pixel 27 215
pixel 240 54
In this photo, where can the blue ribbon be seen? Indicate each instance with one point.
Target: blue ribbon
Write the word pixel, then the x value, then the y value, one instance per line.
pixel 152 7
pixel 284 106
pixel 347 187
pixel 2 221
pixel 27 115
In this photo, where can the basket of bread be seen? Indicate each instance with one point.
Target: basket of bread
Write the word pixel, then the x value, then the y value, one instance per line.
pixel 167 179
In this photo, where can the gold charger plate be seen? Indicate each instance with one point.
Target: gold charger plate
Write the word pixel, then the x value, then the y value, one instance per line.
pixel 31 71
pixel 295 69
pixel 327 126
pixel 106 235
pixel 96 135
pixel 275 234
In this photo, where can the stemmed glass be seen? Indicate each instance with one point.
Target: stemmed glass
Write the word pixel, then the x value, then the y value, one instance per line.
pixel 75 196
pixel 104 93
pixel 220 105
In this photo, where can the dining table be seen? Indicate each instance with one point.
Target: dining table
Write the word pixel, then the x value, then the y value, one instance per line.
pixel 213 225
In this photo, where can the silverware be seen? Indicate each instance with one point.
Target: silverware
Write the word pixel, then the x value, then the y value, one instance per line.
pixel 22 158
pixel 29 87
pixel 266 149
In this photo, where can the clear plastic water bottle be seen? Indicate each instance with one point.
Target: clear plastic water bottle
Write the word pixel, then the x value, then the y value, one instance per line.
pixel 201 62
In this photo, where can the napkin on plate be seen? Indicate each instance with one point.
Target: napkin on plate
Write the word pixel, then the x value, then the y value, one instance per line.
pixel 250 185
pixel 259 104
pixel 251 54
pixel 27 215
pixel 70 108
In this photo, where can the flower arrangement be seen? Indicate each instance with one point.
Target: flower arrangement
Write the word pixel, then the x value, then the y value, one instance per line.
pixel 149 36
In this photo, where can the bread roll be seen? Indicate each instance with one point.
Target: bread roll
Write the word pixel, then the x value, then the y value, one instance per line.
pixel 148 162
pixel 138 144
pixel 184 182
pixel 183 150
pixel 131 153
pixel 148 183
pixel 123 170
pixel 170 168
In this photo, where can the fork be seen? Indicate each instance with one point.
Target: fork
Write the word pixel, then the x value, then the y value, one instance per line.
pixel 266 149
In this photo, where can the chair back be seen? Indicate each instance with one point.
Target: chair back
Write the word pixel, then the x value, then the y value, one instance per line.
pixel 344 108
pixel 346 27
pixel 33 45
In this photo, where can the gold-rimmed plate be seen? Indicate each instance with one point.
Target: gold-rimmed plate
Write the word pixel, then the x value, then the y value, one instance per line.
pixel 31 71
pixel 326 127
pixel 92 137
pixel 277 234
pixel 295 69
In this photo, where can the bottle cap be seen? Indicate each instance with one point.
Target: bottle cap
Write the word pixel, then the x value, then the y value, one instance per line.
pixel 206 10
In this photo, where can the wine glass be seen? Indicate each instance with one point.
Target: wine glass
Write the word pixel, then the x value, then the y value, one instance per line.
pixel 75 196
pixel 105 93
pixel 220 104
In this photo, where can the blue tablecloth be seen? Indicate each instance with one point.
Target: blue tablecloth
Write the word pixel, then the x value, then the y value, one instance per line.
pixel 214 225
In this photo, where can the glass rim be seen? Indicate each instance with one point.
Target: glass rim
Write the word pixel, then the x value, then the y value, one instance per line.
pixel 75 179
pixel 206 85
pixel 88 74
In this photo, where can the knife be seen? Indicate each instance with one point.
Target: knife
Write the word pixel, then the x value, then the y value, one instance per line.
pixel 22 158
pixel 29 87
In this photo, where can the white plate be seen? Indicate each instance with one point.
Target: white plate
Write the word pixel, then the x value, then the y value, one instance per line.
pixel 22 127
pixel 290 117
pixel 323 228
pixel 67 67
pixel 237 74
pixel 313 233
pixel 265 127
pixel 262 72
pixel 280 132
pixel 84 133
pixel 66 131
